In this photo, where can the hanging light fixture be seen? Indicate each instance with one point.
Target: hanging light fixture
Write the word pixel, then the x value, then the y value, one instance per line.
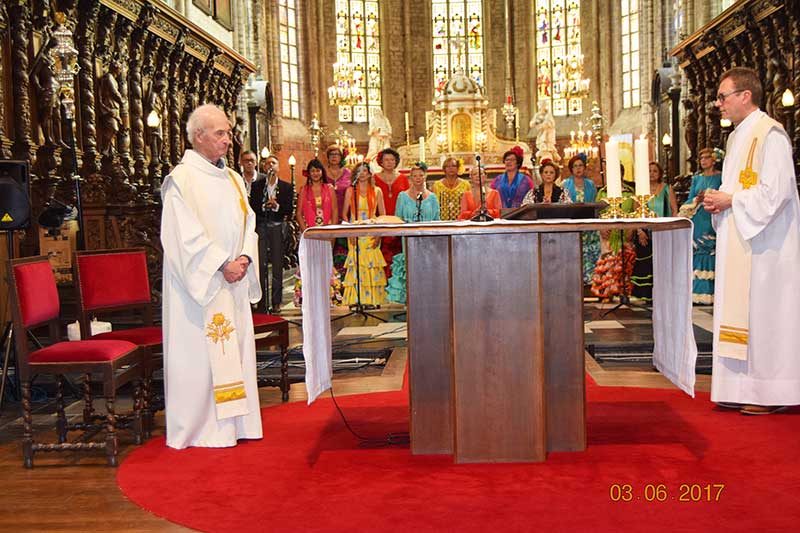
pixel 581 142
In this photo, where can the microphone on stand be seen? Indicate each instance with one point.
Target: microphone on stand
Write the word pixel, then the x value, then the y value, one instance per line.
pixel 483 213
pixel 419 207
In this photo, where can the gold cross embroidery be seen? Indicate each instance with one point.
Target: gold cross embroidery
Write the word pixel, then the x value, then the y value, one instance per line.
pixel 749 177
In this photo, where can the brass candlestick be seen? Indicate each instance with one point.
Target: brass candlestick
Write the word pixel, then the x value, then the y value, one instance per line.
pixel 614 209
pixel 643 210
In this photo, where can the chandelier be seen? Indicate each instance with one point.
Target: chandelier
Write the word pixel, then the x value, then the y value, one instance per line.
pixel 577 85
pixel 344 91
pixel 580 142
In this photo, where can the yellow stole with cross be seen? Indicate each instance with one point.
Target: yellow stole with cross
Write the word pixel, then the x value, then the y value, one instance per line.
pixel 222 336
pixel 734 330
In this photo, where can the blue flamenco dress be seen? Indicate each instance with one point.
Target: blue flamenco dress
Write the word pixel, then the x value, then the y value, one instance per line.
pixel 407 210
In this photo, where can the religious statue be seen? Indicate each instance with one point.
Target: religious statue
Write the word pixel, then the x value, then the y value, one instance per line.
pixel 156 96
pixel 47 111
pixel 380 134
pixel 109 104
pixel 543 125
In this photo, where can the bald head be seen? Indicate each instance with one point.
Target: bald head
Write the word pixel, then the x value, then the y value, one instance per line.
pixel 209 131
pixel 200 119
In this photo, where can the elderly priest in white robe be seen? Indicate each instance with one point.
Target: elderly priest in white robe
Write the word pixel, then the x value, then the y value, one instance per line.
pixel 756 365
pixel 210 280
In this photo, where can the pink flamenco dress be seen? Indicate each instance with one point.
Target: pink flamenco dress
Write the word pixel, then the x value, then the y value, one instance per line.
pixel 318 211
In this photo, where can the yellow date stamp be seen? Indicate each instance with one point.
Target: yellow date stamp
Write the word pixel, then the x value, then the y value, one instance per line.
pixel 662 492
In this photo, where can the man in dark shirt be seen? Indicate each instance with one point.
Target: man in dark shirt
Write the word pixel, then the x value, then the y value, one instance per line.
pixel 271 199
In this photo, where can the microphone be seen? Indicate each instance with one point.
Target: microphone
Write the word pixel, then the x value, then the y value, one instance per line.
pixel 419 207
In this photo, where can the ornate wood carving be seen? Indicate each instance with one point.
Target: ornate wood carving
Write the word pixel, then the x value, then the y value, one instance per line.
pixel 20 19
pixel 123 32
pixel 84 39
pixel 176 56
pixel 136 93
pixel 4 142
pixel 133 56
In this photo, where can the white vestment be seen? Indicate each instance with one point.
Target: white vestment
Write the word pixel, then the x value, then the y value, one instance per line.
pixel 768 216
pixel 202 226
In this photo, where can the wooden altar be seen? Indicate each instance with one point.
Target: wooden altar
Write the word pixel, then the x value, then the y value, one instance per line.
pixel 496 351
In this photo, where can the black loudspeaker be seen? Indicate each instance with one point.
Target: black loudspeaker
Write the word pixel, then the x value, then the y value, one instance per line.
pixel 15 195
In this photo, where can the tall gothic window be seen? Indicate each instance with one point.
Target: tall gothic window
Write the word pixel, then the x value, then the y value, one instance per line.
pixel 558 54
pixel 290 70
pixel 457 40
pixel 358 44
pixel 631 93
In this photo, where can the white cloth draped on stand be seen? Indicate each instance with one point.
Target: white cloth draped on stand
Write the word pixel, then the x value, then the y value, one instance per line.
pixel 674 353
pixel 316 263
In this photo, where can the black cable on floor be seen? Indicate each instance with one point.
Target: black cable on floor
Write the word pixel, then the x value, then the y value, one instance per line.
pixel 391 439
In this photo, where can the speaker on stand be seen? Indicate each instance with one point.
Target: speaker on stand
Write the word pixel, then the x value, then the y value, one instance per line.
pixel 15 214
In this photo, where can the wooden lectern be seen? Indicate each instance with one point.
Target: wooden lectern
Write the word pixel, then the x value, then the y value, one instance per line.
pixel 495 335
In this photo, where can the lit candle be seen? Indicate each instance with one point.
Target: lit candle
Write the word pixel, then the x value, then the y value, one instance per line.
pixel 641 165
pixel 406 120
pixel 572 136
pixel 422 148
pixel 613 176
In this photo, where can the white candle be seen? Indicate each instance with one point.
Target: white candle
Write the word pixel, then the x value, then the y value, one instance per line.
pixel 641 166
pixel 422 148
pixel 406 120
pixel 613 176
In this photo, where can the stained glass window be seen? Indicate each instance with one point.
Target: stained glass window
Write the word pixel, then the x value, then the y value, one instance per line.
pixel 457 40
pixel 558 54
pixel 358 44
pixel 290 71
pixel 631 93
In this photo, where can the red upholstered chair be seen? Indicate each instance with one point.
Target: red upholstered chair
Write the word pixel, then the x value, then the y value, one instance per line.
pixel 272 330
pixel 116 280
pixel 114 363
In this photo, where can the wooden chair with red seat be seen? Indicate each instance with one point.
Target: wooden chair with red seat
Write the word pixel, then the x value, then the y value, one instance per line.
pixel 110 281
pixel 35 303
pixel 272 330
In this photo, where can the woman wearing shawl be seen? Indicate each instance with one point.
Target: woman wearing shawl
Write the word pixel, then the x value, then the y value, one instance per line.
pixel 512 184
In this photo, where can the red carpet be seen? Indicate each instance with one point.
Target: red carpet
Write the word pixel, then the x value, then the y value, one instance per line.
pixel 308 473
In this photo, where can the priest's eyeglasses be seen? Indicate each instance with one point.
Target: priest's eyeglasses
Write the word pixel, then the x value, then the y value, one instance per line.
pixel 721 97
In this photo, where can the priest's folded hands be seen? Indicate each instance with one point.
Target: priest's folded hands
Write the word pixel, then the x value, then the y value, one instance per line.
pixel 235 270
pixel 716 202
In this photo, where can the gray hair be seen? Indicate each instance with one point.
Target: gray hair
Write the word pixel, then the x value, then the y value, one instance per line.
pixel 198 119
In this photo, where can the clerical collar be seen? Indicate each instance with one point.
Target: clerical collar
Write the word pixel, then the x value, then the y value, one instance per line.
pixel 220 163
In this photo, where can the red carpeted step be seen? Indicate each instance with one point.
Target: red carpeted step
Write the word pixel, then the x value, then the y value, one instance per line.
pixel 736 473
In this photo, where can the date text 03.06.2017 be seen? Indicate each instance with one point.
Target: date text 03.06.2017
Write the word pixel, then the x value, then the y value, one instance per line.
pixel 661 492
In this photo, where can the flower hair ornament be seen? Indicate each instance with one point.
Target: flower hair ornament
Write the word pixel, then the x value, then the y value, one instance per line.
pixel 518 151
pixel 421 165
pixel 718 154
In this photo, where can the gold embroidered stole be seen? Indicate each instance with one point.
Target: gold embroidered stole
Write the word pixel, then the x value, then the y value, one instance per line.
pixel 242 203
pixel 734 331
pixel 222 338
